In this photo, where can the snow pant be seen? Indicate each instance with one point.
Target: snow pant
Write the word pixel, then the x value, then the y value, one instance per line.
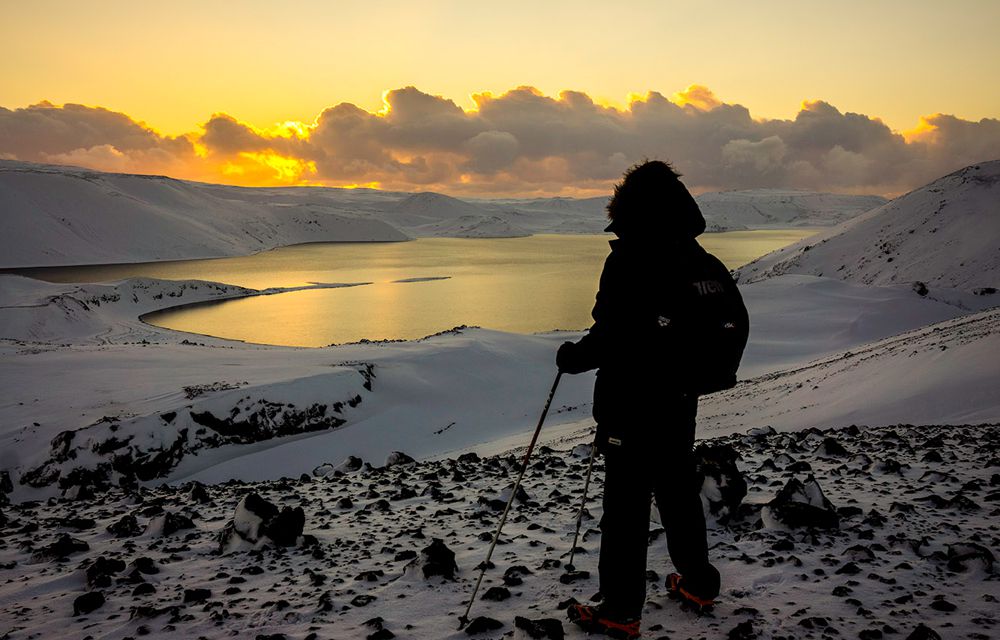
pixel 652 459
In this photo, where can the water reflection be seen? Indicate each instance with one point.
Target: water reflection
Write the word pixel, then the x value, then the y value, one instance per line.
pixel 522 285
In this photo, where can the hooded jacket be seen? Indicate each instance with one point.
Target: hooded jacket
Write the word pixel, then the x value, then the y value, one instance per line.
pixel 646 284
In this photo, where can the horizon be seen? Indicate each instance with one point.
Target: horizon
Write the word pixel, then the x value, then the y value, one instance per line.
pixel 878 100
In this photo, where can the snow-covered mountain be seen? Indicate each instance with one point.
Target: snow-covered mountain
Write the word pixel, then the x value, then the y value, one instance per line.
pixel 54 215
pixel 781 208
pixel 62 216
pixel 945 234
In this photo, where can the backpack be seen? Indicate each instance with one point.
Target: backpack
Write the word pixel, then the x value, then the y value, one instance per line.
pixel 706 325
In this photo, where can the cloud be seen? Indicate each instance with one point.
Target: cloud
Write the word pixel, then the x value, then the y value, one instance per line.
pixel 520 142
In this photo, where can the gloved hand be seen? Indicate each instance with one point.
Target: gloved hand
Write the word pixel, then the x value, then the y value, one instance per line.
pixel 567 358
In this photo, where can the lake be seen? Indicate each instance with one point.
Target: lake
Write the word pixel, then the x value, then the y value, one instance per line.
pixel 412 289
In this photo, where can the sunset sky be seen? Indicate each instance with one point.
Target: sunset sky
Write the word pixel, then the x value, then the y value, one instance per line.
pixel 846 96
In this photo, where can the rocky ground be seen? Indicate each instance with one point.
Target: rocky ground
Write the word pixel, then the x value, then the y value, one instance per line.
pixel 853 532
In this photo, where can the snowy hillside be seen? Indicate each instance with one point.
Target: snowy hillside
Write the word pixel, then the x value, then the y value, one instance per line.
pixel 53 215
pixel 60 216
pixel 945 373
pixel 781 208
pixel 460 390
pixel 489 226
pixel 945 235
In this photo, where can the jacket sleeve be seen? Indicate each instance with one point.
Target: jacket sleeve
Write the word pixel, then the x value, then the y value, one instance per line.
pixel 608 332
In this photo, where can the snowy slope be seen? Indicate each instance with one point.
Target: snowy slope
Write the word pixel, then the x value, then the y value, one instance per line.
pixel 945 234
pixel 54 215
pixel 945 373
pixel 104 372
pixel 471 226
pixel 781 208
pixel 58 216
pixel 427 207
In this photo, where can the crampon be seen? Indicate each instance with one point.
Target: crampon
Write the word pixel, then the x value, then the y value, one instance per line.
pixel 677 591
pixel 591 620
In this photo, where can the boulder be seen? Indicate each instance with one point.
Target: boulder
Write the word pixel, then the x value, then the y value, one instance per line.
pixel 540 628
pixel 436 559
pixel 482 624
pixel 126 527
pixel 398 458
pixel 90 601
pixel 63 546
pixel 256 521
pixel 723 487
pixel 800 505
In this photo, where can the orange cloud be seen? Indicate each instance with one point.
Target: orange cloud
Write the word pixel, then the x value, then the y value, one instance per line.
pixel 521 142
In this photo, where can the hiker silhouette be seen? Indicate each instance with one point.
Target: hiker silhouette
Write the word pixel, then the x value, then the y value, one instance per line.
pixel 655 351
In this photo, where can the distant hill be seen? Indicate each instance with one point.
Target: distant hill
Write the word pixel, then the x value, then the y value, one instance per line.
pixel 945 234
pixel 56 215
pixel 781 208
pixel 65 215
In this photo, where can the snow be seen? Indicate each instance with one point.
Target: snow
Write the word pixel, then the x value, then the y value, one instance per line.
pixel 56 215
pixel 943 234
pixel 86 380
pixel 781 208
pixel 61 216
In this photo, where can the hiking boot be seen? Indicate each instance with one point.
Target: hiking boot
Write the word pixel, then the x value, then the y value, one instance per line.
pixel 677 590
pixel 592 620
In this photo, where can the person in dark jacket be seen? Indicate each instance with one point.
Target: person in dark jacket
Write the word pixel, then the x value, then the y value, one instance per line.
pixel 645 411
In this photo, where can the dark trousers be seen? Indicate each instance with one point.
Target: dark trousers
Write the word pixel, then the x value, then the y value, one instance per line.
pixel 653 459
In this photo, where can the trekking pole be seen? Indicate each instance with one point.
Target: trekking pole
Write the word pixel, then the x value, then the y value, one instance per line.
pixel 464 619
pixel 583 505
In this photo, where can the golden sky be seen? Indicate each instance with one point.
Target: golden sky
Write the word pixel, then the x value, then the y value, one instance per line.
pixel 173 65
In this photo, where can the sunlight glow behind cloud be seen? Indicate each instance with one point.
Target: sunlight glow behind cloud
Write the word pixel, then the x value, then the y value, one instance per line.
pixel 521 142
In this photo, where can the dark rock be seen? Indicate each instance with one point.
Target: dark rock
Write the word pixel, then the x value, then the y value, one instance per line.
pixel 831 447
pixel 743 631
pixel 62 547
pixel 6 486
pixel 362 600
pixel 196 595
pixel 923 632
pixel 943 605
pixel 496 594
pixel 174 522
pixel 572 576
pixel 803 505
pixel 540 628
pixel 438 560
pixel 286 527
pixel 100 571
pixel 255 518
pixel 397 458
pixel 126 527
pixel 722 484
pixel 143 589
pixel 144 565
pixel 381 634
pixel 482 624
pixel 90 601
pixel 350 463
pixel 963 554
pixel 199 493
